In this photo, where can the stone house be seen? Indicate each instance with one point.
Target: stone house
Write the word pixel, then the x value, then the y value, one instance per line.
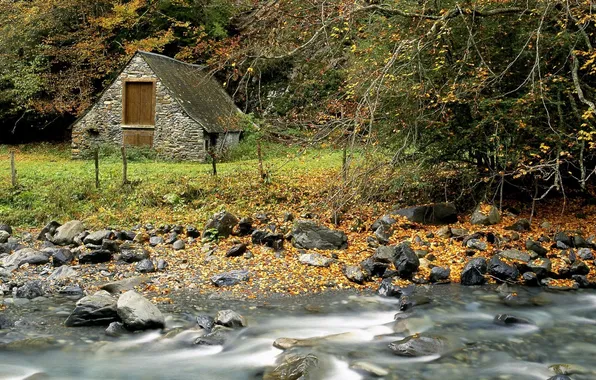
pixel 176 108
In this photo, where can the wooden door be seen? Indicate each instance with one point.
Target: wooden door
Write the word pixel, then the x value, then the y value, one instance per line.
pixel 137 137
pixel 139 103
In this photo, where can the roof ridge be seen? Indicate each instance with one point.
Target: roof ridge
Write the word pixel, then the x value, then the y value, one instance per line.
pixel 142 52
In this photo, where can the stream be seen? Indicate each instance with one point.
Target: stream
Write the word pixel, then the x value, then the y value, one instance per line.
pixel 345 335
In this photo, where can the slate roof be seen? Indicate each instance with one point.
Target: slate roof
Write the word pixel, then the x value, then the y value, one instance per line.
pixel 197 92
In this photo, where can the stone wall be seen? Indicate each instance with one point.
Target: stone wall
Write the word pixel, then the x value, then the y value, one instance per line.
pixel 176 135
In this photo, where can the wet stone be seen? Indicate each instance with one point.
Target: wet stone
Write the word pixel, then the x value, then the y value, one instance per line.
pixel 229 318
pixel 145 266
pixel 473 272
pixel 415 346
pixel 95 257
pixel 205 322
pixel 507 320
pixel 230 278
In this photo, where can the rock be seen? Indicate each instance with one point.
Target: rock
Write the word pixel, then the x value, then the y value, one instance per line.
pixel 492 217
pixel 98 236
pixel 514 254
pixel 406 262
pixel 223 223
pixel 48 230
pixel 582 281
pixel 191 231
pixel 559 377
pixel 387 289
pixel 385 254
pixel 309 235
pixel 369 369
pixel 534 246
pixel 124 284
pixel 30 290
pixel 229 318
pixel 563 238
pixel 473 272
pixel 508 320
pixel 520 226
pixel 25 256
pixel 385 220
pixel 579 267
pixel 161 265
pixel 315 259
pixel 585 254
pixel 382 234
pixel 95 257
pixel 236 250
pixel 580 242
pixel 554 285
pixel 179 245
pixel 125 235
pixel 4 236
pixel 354 274
pixel 97 309
pixel 294 366
pixel 459 232
pixel 110 245
pixel 476 244
pixel 416 345
pixel 267 238
pixel 116 329
pixel 408 301
pixel 441 213
pixel 245 227
pixel 60 256
pixel 133 255
pixel 502 270
pixel 62 273
pixel 541 267
pixel 217 337
pixel 145 266
pixel 6 228
pixel 444 232
pixel 137 313
pixel 230 278
pixel 438 274
pixel 156 240
pixel 205 322
pixel 72 290
pixel 172 238
pixel 371 267
pixel 530 279
pixel 66 233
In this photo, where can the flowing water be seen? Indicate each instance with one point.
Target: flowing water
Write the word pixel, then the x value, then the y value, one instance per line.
pixel 347 334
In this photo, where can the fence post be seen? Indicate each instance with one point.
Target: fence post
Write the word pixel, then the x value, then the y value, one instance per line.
pixel 13 170
pixel 124 166
pixel 96 158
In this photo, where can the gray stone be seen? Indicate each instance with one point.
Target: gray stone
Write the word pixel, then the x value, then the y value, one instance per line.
pixel 137 313
pixel 416 345
pixel 439 274
pixel 508 320
pixel 4 236
pixel 563 238
pixel 473 272
pixel 585 254
pixel 295 366
pixel 62 273
pixel 514 254
pixel 520 226
pixel 315 259
pixel 502 270
pixel 116 329
pixel 385 220
pixel 30 290
pixel 369 369
pixel 223 222
pixel 95 257
pixel 60 256
pixel 124 284
pixel 406 262
pixel 97 309
pixel 133 255
pixel 230 278
pixel 205 322
pixel 383 233
pixel 229 318
pixel 534 246
pixel 48 230
pixel 145 266
pixel 6 228
pixel 161 265
pixel 493 217
pixel 98 236
pixel 354 274
pixel 541 267
pixel 236 250
pixel 476 244
pixel 309 235
pixel 440 213
pixel 580 268
pixel 155 240
pixel 66 233
pixel 179 245
pixel 25 256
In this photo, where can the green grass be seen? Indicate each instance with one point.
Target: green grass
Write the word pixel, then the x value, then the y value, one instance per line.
pixel 52 186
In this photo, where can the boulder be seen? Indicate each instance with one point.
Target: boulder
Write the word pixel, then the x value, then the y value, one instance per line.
pixel 580 268
pixel 486 218
pixel 116 329
pixel 530 279
pixel 501 270
pixel 48 231
pixel 25 256
pixel 439 274
pixel 4 236
pixel 60 256
pixel 98 236
pixel 236 250
pixel 416 345
pixel 563 238
pixel 179 245
pixel 476 244
pixel 440 213
pixel 97 309
pixel 145 266
pixel 267 238
pixel 579 242
pixel 6 228
pixel 309 235
pixel 585 254
pixel 541 267
pixel 245 227
pixel 371 267
pixel 473 272
pixel 217 337
pixel 385 220
pixel 156 240
pixel 110 245
pixel 30 290
pixel 206 322
pixel 385 254
pixel 95 257
pixel 387 289
pixel 137 313
pixel 230 278
pixel 295 366
pixel 66 233
pixel 315 259
pixel 229 318
pixel 133 255
pixel 354 274
pixel 124 284
pixel 520 226
pixel 534 246
pixel 383 233
pixel 62 273
pixel 223 222
pixel 514 254
pixel 406 261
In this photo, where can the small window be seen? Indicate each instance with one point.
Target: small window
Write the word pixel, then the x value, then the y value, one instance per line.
pixel 139 103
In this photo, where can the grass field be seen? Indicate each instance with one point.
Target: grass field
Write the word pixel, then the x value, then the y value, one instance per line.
pixel 52 186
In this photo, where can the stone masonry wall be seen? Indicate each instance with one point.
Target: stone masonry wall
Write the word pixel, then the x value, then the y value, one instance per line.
pixel 176 135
